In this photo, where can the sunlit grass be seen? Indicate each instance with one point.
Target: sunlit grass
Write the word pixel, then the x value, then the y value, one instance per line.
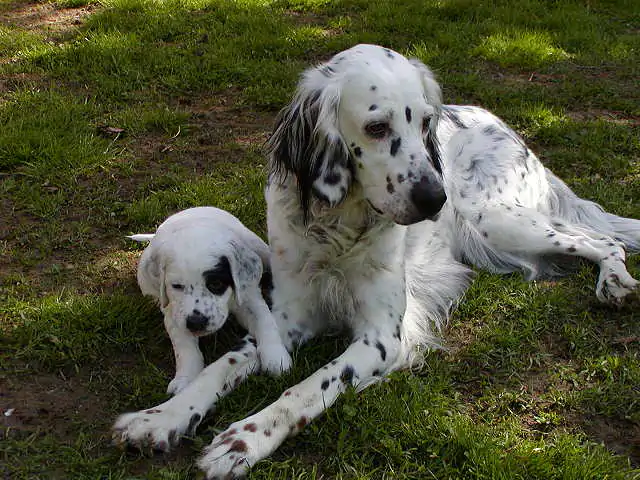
pixel 522 49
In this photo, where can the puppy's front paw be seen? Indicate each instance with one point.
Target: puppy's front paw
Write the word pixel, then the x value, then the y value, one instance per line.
pixel 274 358
pixel 157 428
pixel 178 384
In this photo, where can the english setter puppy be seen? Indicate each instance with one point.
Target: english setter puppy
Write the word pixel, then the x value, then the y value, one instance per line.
pixel 377 196
pixel 202 264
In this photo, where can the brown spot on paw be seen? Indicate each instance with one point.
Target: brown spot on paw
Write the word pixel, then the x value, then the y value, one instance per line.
pixel 250 427
pixel 302 422
pixel 238 446
pixel 228 433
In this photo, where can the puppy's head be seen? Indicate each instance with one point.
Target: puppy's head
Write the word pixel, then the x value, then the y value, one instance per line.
pixel 368 115
pixel 197 281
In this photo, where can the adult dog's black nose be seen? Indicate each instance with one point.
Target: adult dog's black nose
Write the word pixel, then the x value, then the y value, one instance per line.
pixel 428 196
pixel 196 321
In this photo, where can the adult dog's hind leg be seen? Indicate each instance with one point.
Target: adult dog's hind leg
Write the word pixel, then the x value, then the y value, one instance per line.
pixel 502 194
pixel 524 231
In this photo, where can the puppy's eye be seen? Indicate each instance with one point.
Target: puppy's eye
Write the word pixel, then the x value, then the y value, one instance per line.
pixel 377 129
pixel 425 124
pixel 177 286
pixel 216 285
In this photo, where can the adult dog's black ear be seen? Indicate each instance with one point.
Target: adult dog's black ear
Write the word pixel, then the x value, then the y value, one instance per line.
pixel 433 96
pixel 246 270
pixel 151 276
pixel 307 143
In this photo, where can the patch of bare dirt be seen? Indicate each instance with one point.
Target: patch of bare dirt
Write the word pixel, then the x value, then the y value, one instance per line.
pixel 43 17
pixel 61 405
pixel 621 438
pixel 49 403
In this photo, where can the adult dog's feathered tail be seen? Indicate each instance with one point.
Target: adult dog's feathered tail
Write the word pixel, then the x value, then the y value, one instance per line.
pixel 591 216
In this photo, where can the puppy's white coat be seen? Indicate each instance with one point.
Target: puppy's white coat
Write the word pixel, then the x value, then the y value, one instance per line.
pixel 202 264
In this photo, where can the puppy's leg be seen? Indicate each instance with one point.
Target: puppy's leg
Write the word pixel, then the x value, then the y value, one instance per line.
pixel 189 360
pixel 255 316
pixel 162 426
pixel 371 355
pixel 526 231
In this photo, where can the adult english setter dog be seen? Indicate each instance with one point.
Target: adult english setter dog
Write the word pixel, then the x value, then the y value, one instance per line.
pixel 378 195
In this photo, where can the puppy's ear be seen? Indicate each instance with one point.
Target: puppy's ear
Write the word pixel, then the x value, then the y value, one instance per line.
pixel 306 141
pixel 433 95
pixel 151 276
pixel 246 270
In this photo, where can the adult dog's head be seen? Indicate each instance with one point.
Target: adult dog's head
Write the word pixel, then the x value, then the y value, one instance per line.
pixel 196 271
pixel 369 116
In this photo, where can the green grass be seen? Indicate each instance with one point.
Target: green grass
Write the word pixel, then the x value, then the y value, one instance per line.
pixel 145 107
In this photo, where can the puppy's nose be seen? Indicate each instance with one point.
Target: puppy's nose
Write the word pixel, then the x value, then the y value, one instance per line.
pixel 428 196
pixel 196 321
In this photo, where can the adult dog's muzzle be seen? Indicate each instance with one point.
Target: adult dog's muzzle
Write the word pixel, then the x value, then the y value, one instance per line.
pixel 428 196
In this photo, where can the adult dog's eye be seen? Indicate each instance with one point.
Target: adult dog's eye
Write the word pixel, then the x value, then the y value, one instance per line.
pixel 177 286
pixel 425 124
pixel 216 285
pixel 377 129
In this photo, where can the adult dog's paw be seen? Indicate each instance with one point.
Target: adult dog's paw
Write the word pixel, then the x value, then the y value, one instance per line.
pixel 274 359
pixel 157 428
pixel 617 288
pixel 237 449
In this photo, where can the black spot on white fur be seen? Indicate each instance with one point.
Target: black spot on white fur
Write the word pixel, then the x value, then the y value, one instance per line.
pixel 373 107
pixel 390 188
pixel 347 374
pixel 395 146
pixel 219 278
pixel 407 113
pixel 383 351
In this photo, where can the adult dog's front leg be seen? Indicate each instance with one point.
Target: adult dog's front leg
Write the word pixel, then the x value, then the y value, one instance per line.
pixel 246 442
pixel 162 426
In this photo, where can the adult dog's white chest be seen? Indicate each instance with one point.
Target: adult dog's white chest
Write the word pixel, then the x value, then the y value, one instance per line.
pixel 338 250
